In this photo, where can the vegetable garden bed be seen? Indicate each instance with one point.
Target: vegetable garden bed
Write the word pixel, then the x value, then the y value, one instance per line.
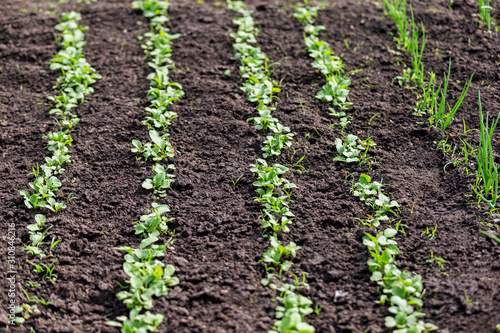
pixel 218 240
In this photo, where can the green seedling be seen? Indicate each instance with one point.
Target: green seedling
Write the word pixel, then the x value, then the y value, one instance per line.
pixel 468 301
pixel 47 270
pixel 371 193
pixel 72 198
pixel 53 243
pixel 275 143
pixel 438 116
pixel 32 285
pixel 156 150
pixel 153 220
pixel 397 10
pixel 336 89
pixel 490 235
pixel 371 119
pixel 146 322
pixel 159 119
pixel 148 276
pixel 32 299
pixel 417 52
pixel 265 120
pixel 26 311
pixel 344 120
pixel 279 255
pixel 161 180
pixel 486 186
pixel 352 149
pixel 291 314
pixel 430 233
pixel 485 12
pixel 37 235
pixel 402 291
pixel 317 309
pixel 440 261
pixel 426 101
pixel 237 180
pixel 273 192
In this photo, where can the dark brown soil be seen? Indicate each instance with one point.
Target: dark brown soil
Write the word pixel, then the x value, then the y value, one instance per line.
pixel 218 233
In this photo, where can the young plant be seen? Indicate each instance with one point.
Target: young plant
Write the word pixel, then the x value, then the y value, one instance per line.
pixel 37 235
pixel 148 276
pixel 146 322
pixel 417 52
pixel 438 116
pixel 291 314
pixel 352 149
pixel 371 193
pixel 485 12
pixel 402 291
pixel 486 186
pixel 161 180
pixel 26 311
pixel 275 143
pixel 156 150
pixel 280 256
pixel 153 221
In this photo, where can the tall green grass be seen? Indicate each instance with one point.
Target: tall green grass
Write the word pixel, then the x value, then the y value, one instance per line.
pixel 439 117
pixel 486 186
pixel 485 12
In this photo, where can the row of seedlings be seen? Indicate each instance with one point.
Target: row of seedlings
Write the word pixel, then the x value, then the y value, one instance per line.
pixel 273 191
pixel 71 88
pixel 412 39
pixel 432 101
pixel 400 290
pixel 149 277
pixel 350 147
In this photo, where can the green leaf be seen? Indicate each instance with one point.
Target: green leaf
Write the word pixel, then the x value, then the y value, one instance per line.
pixel 148 241
pixel 376 276
pixel 390 322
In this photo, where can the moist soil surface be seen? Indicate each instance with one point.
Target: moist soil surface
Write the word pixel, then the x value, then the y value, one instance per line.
pixel 218 236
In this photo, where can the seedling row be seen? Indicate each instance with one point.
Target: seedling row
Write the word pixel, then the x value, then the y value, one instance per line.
pixel 148 277
pixel 70 89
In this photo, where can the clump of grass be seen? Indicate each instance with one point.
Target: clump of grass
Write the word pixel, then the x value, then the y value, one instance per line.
pixel 486 186
pixel 397 10
pixel 485 12
pixel 439 118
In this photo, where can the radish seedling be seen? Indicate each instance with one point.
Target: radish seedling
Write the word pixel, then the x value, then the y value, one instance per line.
pixel 149 277
pixel 291 314
pixel 279 255
pixel 59 141
pixel 371 193
pixel 138 322
pixel 353 149
pixel 37 235
pixel 336 89
pixel 74 83
pixel 160 180
pixel 156 150
pixel 26 312
pixel 400 290
pixel 274 144
pixel 153 220
pixel 273 191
